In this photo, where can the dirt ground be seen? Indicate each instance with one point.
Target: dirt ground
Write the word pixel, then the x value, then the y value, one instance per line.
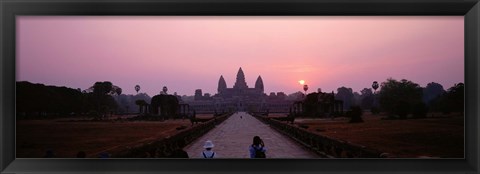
pixel 430 137
pixel 66 137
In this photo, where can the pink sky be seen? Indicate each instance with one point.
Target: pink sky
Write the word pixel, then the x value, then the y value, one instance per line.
pixel 188 53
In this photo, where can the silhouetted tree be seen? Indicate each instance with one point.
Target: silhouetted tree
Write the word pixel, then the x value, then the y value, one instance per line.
pixel 41 100
pixel 432 91
pixel 453 100
pixel 396 97
pixel 102 93
pixel 375 85
pixel 105 88
pixel 34 100
pixel 374 109
pixel 127 102
pixel 118 91
pixel 137 88
pixel 367 98
pixel 346 95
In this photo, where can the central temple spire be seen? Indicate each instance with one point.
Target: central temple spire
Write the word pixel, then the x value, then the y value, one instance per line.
pixel 240 83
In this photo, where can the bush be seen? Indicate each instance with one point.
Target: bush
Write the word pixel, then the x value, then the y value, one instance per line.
pixel 419 110
pixel 402 109
pixel 375 110
pixel 355 114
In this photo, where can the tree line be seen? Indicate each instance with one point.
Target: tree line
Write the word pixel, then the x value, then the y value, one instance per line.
pixel 101 99
pixel 402 98
pixel 396 98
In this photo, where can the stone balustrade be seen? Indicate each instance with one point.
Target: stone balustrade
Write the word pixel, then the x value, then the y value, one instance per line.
pixel 323 145
pixel 163 148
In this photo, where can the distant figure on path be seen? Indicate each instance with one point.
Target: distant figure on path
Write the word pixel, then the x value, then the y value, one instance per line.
pixel 208 152
pixel 257 149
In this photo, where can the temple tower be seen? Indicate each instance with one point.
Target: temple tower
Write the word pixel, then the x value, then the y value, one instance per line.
pixel 222 85
pixel 259 84
pixel 240 83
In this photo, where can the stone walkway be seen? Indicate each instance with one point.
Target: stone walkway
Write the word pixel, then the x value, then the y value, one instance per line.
pixel 233 137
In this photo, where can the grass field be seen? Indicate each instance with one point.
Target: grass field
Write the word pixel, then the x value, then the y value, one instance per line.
pixel 433 137
pixel 66 137
pixel 430 137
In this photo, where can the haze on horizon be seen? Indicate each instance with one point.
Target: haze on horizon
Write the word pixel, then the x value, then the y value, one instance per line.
pixel 191 52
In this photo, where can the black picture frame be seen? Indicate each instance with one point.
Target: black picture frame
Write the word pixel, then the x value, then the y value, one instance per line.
pixel 470 9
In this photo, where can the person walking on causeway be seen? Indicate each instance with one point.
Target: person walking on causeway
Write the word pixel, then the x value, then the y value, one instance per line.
pixel 257 149
pixel 208 152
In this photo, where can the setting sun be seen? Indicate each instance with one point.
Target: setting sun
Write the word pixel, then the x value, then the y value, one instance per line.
pixel 301 82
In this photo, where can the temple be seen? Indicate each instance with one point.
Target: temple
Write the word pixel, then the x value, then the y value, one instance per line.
pixel 240 97
pixel 240 88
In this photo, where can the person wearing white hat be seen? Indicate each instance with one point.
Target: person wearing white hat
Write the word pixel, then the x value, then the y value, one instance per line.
pixel 208 152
